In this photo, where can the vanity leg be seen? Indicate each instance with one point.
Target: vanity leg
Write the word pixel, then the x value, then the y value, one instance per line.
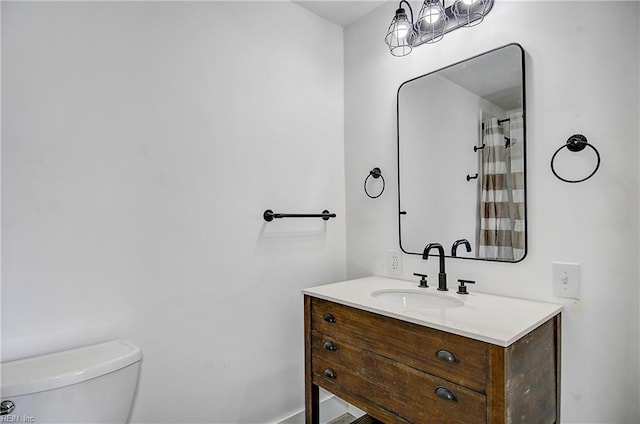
pixel 311 391
pixel 558 352
pixel 312 404
pixel 496 394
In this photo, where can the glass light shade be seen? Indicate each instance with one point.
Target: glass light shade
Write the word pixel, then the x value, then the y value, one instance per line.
pixel 400 34
pixel 431 22
pixel 470 12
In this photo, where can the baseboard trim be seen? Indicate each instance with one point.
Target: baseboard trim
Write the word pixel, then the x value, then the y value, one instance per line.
pixel 331 407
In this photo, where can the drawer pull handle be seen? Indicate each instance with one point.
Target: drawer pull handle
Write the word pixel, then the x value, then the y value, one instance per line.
pixel 446 356
pixel 329 373
pixel 329 346
pixel 446 394
pixel 329 318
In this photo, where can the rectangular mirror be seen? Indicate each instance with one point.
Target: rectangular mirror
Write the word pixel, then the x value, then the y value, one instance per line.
pixel 461 158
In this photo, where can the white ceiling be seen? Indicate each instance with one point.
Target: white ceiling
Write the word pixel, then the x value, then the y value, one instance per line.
pixel 341 12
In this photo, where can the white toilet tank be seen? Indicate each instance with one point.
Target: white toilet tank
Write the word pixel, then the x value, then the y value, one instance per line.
pixel 93 384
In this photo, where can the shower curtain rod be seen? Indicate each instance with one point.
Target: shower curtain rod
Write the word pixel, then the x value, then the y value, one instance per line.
pixel 500 121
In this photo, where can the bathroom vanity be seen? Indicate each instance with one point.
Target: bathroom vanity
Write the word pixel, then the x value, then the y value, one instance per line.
pixel 405 354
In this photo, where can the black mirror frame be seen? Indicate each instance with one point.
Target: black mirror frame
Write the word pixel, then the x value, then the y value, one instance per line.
pixel 524 115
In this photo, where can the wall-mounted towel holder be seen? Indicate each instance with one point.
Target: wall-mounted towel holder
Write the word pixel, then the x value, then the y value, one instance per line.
pixel 270 215
pixel 375 173
pixel 576 143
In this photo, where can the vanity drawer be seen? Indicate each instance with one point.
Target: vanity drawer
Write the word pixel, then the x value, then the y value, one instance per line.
pixel 452 357
pixel 405 391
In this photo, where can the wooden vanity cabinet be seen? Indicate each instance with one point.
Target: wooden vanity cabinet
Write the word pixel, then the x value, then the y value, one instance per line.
pixel 400 372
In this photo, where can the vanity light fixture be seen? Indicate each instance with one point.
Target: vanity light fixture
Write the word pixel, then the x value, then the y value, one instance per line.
pixel 470 12
pixel 434 21
pixel 431 22
pixel 401 32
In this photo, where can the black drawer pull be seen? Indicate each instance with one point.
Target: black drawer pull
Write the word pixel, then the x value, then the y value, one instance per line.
pixel 329 346
pixel 329 373
pixel 446 356
pixel 329 318
pixel 445 394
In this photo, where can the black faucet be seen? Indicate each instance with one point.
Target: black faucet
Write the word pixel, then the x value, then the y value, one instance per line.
pixel 442 276
pixel 454 248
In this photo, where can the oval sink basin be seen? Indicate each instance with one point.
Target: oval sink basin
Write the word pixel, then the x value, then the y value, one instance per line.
pixel 416 299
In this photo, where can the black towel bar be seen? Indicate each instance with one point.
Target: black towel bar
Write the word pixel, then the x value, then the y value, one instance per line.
pixel 270 215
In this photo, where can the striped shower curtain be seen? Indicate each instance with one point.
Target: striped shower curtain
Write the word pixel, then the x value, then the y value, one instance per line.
pixel 501 229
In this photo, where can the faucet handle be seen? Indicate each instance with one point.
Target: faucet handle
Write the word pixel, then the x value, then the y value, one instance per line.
pixel 423 279
pixel 462 289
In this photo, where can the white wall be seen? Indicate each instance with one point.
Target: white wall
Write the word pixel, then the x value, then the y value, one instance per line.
pixel 426 157
pixel 581 78
pixel 141 143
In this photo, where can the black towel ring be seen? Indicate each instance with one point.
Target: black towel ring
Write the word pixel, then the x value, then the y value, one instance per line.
pixel 576 143
pixel 375 173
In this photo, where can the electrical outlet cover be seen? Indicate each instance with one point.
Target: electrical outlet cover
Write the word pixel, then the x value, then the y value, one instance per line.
pixel 394 262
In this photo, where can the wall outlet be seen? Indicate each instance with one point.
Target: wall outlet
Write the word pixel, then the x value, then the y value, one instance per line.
pixel 394 262
pixel 566 279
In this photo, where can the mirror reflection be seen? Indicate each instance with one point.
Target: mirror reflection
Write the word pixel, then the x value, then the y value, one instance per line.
pixel 461 158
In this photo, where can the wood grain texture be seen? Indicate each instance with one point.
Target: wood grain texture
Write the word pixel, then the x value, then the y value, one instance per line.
pixel 409 343
pixel 496 393
pixel 405 391
pixel 557 323
pixel 379 365
pixel 531 379
pixel 311 391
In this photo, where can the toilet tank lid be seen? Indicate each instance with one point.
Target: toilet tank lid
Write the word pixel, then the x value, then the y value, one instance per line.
pixel 55 370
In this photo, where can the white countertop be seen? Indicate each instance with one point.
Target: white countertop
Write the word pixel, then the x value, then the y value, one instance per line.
pixel 493 319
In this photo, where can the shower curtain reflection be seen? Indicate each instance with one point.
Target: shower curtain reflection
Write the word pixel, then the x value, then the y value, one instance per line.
pixel 501 224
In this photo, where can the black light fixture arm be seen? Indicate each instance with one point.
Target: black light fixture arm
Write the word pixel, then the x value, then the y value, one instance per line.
pixel 410 9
